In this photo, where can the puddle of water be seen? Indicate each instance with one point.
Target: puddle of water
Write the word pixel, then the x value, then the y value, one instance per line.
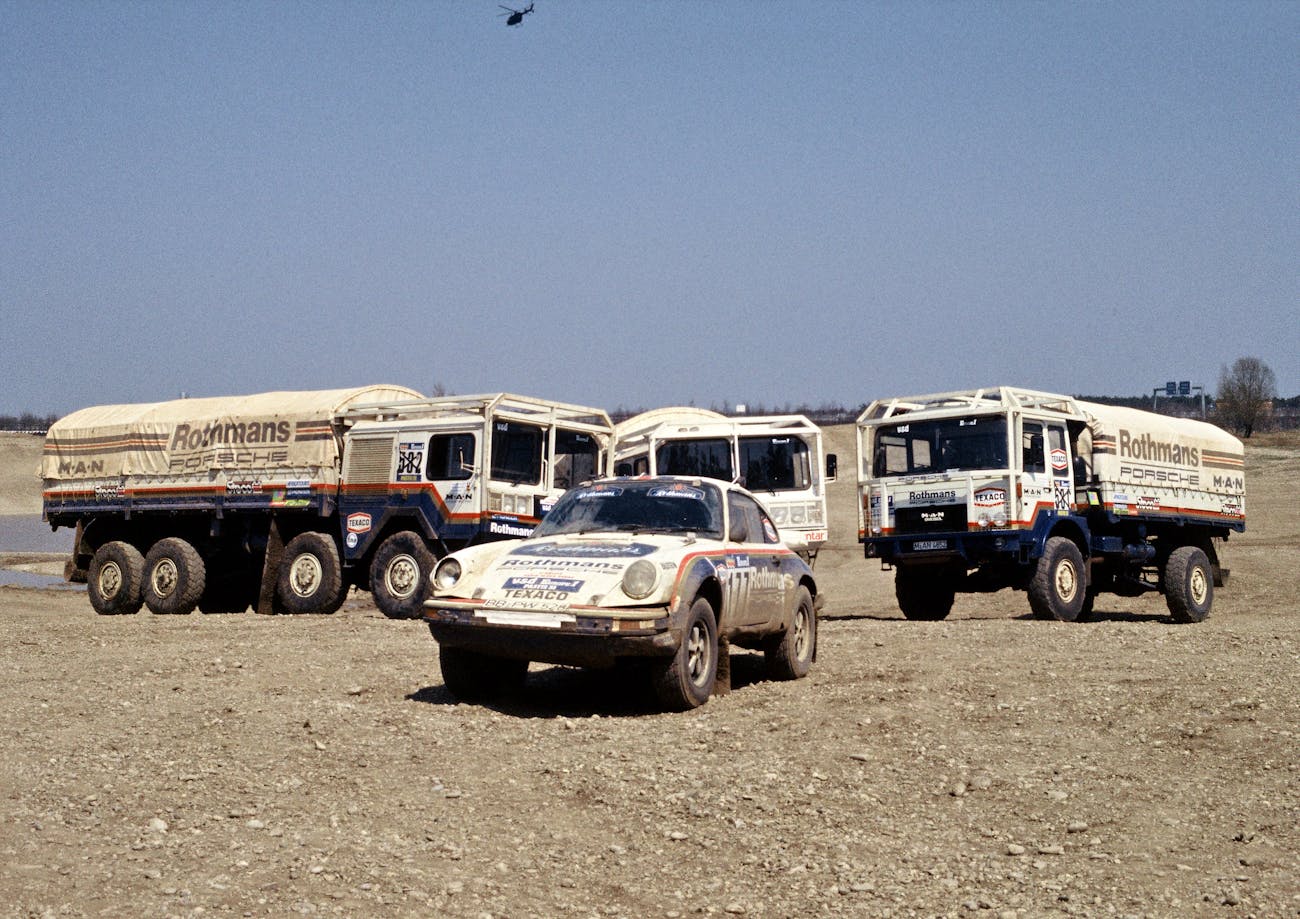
pixel 11 578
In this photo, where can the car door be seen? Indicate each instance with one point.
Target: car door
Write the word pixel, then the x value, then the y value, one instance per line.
pixel 755 583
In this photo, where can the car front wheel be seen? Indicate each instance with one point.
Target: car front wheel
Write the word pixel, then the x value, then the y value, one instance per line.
pixel 686 679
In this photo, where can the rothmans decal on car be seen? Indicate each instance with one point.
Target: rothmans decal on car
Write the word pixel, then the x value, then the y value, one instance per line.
pixel 585 550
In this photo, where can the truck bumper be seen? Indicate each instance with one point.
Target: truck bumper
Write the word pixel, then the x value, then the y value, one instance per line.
pixel 939 548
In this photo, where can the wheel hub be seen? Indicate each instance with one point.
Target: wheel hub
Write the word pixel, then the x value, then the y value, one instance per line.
pixel 164 577
pixel 305 576
pixel 402 576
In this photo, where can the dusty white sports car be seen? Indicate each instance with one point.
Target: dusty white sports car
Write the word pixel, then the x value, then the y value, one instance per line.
pixel 666 569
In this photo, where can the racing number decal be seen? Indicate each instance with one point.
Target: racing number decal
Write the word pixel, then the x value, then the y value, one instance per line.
pixel 410 460
pixel 1062 495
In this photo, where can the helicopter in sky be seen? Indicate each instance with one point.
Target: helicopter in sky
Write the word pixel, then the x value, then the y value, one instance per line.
pixel 516 16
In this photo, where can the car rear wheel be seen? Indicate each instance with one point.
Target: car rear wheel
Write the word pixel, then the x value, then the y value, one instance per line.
pixel 686 679
pixel 790 656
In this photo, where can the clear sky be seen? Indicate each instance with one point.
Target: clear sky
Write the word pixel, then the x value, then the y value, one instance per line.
pixel 631 204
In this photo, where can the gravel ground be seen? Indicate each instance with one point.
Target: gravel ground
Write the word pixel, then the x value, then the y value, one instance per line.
pixel 989 765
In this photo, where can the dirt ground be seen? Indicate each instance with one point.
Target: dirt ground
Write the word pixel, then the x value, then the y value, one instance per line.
pixel 988 765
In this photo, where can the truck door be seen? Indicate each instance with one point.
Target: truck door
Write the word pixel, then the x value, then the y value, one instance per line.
pixel 515 477
pixel 451 466
pixel 1058 459
pixel 1035 483
pixel 575 457
pixel 1045 465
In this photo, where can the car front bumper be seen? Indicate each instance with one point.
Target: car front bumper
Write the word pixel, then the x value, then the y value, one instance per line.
pixel 576 637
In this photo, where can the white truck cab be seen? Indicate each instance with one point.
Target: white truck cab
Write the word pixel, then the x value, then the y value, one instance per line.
pixel 779 458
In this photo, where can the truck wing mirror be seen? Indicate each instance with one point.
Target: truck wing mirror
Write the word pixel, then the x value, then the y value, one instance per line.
pixel 832 466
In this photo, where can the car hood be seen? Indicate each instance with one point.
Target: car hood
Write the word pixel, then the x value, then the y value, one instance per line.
pixel 575 570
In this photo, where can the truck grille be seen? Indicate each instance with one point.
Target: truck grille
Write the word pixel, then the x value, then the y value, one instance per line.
pixel 369 461
pixel 941 518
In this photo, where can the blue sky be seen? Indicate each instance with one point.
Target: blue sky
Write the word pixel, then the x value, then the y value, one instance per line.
pixel 637 204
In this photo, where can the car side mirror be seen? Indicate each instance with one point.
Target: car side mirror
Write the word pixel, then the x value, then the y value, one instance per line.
pixel 832 466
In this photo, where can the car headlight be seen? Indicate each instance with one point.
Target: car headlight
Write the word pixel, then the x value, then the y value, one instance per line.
pixel 640 578
pixel 446 574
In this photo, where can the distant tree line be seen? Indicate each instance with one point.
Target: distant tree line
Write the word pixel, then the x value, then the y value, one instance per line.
pixel 27 423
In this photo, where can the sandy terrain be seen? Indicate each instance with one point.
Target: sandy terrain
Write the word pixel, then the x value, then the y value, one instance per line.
pixel 989 765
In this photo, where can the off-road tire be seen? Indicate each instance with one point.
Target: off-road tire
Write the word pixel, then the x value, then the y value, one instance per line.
pixel 924 593
pixel 115 579
pixel 790 655
pixel 1189 584
pixel 686 680
pixel 1058 587
pixel 474 677
pixel 311 575
pixel 174 577
pixel 399 575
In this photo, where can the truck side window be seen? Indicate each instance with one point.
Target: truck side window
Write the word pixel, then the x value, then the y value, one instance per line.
pixel 1056 449
pixel 577 458
pixel 517 452
pixel 1031 444
pixel 451 457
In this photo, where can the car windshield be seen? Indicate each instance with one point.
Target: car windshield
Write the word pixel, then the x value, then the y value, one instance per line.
pixel 944 445
pixel 653 506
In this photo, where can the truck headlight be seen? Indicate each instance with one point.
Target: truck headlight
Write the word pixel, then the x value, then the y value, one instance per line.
pixel 640 578
pixel 446 574
pixel 984 520
pixel 1000 519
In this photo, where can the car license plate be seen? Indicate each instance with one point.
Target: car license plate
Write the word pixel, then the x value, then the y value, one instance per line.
pixel 929 545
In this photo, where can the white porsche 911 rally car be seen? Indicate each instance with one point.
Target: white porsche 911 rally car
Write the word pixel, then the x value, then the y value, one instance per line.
pixel 656 568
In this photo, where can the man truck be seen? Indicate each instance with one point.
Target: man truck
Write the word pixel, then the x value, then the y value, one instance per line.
pixel 986 489
pixel 285 500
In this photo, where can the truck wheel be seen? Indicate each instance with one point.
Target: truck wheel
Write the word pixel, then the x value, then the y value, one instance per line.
pixel 686 680
pixel 474 677
pixel 791 654
pixel 924 593
pixel 115 578
pixel 1057 589
pixel 399 575
pixel 311 575
pixel 1189 584
pixel 174 577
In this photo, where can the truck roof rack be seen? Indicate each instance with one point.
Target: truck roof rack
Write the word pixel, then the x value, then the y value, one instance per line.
pixel 501 404
pixel 987 399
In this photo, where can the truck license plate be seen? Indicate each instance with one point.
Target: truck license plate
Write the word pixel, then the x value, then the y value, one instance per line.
pixel 928 545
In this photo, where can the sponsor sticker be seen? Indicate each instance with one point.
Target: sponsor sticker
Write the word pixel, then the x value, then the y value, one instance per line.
pixel 541 582
pixel 297 488
pixel 244 489
pixel 584 550
pixel 352 540
pixel 815 536
pixel 1058 460
pixel 676 491
pixel 991 496
pixel 410 461
pixel 1148 503
pixel 358 523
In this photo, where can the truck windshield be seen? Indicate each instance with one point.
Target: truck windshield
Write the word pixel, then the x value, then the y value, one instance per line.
pixel 636 507
pixel 774 463
pixel 945 445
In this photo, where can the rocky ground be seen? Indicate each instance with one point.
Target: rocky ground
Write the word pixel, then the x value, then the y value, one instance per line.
pixel 989 765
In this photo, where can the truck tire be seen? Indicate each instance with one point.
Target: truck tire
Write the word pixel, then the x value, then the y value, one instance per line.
pixel 1057 589
pixel 474 677
pixel 311 575
pixel 686 679
pixel 790 655
pixel 174 577
pixel 924 593
pixel 399 575
pixel 115 579
pixel 1189 584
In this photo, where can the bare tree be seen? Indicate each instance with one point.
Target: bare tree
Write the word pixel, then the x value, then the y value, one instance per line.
pixel 1246 393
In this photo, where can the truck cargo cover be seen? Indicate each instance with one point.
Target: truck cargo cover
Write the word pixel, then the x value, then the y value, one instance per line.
pixel 290 430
